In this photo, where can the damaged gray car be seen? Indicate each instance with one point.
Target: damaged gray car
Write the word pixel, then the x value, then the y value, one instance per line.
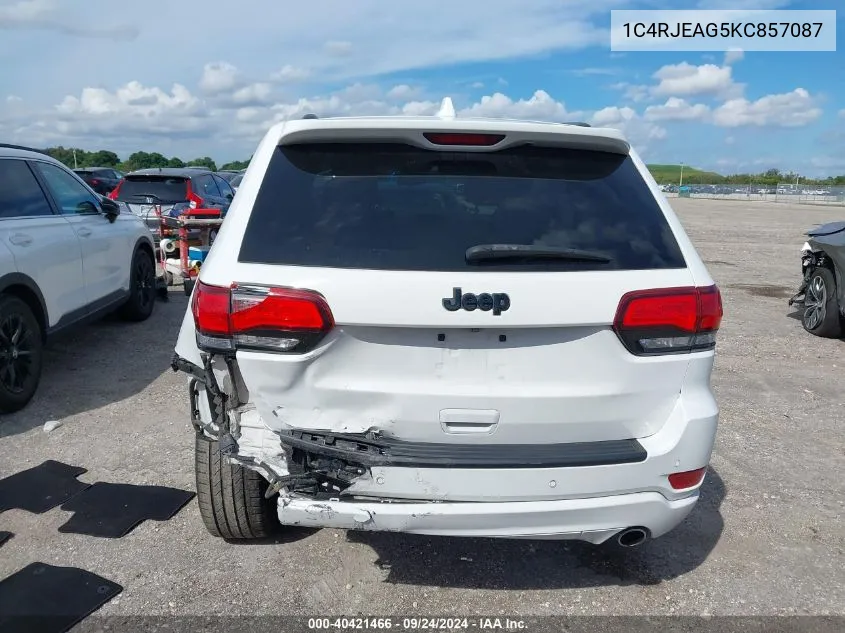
pixel 820 296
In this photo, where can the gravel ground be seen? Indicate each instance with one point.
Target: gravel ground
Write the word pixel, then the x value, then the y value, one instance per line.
pixel 767 537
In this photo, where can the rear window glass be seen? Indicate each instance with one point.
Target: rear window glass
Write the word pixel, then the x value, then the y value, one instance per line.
pixel 396 207
pixel 83 172
pixel 162 189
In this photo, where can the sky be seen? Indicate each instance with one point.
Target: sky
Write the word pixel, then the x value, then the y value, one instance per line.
pixel 208 77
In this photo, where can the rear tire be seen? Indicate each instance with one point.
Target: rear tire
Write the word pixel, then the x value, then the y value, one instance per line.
pixel 21 354
pixel 231 497
pixel 821 314
pixel 142 288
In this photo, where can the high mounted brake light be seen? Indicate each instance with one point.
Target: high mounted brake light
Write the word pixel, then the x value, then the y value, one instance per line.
pixel 466 140
pixel 669 320
pixel 259 318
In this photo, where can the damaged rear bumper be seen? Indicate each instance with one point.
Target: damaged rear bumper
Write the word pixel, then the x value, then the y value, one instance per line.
pixel 594 519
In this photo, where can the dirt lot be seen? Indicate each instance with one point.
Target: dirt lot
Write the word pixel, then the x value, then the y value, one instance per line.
pixel 768 536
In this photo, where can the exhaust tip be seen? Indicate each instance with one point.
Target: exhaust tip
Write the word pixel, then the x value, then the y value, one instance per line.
pixel 632 537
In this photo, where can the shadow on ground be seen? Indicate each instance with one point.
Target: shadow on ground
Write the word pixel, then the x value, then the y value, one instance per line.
pixel 526 565
pixel 101 363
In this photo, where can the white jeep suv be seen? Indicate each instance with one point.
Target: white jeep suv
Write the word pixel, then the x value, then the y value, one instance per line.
pixel 450 326
pixel 67 255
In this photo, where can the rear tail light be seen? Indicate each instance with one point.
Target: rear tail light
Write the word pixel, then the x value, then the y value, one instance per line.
pixel 467 140
pixel 259 318
pixel 688 479
pixel 114 194
pixel 669 320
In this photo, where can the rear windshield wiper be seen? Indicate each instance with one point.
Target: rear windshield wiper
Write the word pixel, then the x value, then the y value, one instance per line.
pixel 491 252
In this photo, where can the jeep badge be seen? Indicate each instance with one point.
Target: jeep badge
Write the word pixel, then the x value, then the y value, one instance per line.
pixel 498 302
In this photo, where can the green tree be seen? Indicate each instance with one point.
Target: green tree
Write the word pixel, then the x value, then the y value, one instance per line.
pixel 235 165
pixel 102 158
pixel 205 161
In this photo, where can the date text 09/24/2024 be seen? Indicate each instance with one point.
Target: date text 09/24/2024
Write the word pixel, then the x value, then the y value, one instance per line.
pixel 415 624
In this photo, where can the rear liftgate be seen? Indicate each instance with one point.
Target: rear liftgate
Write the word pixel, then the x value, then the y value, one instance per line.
pixel 321 465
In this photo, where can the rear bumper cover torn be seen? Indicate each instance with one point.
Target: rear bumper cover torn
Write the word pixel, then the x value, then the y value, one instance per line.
pixel 594 519
pixel 367 450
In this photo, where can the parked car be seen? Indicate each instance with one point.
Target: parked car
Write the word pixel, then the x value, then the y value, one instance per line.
pixel 228 174
pixel 236 182
pixel 103 180
pixel 171 189
pixel 821 295
pixel 67 255
pixel 474 328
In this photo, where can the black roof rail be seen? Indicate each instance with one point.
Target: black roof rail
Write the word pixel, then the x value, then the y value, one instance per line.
pixel 310 115
pixel 21 147
pixel 578 123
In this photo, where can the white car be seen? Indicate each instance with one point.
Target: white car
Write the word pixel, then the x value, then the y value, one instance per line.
pixel 450 326
pixel 67 255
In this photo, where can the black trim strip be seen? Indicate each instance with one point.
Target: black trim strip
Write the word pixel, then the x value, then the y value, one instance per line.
pixel 366 451
pixel 90 312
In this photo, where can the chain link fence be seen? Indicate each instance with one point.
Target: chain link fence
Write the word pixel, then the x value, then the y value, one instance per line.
pixel 782 192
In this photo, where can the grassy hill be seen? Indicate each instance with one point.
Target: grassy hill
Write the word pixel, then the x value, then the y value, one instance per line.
pixel 671 174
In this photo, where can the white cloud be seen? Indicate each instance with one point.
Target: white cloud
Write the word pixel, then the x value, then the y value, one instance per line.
pixel 842 113
pixel 730 140
pixel 683 80
pixel 360 93
pixel 792 109
pixel 288 73
pixel 338 47
pixel 633 92
pixel 44 15
pixel 256 93
pixel 336 42
pixel 402 92
pixel 829 163
pixel 133 111
pixel 13 99
pixel 733 56
pixel 219 77
pixel 541 106
pixel 479 85
pixel 639 132
pixel 136 116
pixel 133 96
pixel 226 85
pixel 676 109
pixel 587 72
pixel 25 11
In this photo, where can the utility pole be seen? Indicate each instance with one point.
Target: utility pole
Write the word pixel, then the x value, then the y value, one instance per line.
pixel 74 159
pixel 681 183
